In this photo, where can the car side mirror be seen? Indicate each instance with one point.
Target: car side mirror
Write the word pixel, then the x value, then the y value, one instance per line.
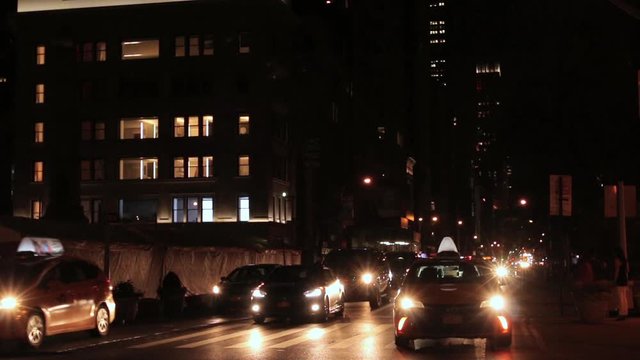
pixel 223 278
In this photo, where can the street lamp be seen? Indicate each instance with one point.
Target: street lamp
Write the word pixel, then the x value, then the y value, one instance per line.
pixel 434 219
pixel 367 180
pixel 523 202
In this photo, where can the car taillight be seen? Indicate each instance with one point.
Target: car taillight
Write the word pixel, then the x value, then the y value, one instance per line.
pixel 504 324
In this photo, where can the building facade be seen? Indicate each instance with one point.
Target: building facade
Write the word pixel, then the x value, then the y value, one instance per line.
pixel 169 113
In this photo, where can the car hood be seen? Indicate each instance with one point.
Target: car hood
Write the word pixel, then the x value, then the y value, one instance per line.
pixel 448 293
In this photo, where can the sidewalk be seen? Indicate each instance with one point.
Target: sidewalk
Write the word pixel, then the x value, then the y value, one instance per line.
pixel 562 335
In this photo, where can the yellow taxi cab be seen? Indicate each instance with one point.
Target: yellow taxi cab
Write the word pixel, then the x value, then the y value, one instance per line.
pixel 49 295
pixel 451 297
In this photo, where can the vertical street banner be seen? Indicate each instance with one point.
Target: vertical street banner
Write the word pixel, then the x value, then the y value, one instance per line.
pixel 560 195
pixel 611 201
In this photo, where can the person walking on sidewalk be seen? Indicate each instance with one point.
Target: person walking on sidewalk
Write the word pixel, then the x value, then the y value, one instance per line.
pixel 621 277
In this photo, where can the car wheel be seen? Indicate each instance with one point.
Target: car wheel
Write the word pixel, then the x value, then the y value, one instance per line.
pixel 375 299
pixel 258 319
pixel 102 322
pixel 499 342
pixel 34 331
pixel 403 343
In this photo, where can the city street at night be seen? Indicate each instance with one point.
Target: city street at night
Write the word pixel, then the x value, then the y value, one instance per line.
pixel 539 332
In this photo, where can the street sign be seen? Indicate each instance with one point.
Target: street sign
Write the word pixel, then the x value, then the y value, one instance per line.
pixel 560 195
pixel 611 201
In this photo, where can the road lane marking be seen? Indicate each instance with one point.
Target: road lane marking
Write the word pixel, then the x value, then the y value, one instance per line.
pixel 307 337
pixel 261 339
pixel 217 339
pixel 215 330
pixel 355 339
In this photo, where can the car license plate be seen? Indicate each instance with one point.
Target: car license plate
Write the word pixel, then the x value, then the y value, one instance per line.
pixel 283 304
pixel 451 319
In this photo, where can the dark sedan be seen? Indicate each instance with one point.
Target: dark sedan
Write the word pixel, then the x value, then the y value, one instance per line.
pixel 233 292
pixel 296 291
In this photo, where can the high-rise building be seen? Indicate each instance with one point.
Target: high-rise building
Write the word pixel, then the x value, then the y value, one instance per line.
pixel 173 113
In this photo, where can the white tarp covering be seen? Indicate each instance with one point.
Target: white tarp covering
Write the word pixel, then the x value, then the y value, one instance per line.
pixel 44 5
pixel 198 268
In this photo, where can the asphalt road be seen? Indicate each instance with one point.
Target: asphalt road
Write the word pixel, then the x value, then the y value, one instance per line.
pixel 361 334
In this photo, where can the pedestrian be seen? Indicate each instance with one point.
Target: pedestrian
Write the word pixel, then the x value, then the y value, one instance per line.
pixel 620 278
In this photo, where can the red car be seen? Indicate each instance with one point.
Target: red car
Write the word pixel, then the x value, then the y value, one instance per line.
pixel 42 296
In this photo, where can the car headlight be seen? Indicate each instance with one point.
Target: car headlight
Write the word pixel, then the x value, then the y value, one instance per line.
pixel 408 303
pixel 496 302
pixel 258 294
pixel 8 303
pixel 367 278
pixel 502 271
pixel 216 289
pixel 313 293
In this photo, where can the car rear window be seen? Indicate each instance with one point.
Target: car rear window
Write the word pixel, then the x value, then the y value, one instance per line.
pixel 444 272
pixel 16 274
pixel 291 274
pixel 248 274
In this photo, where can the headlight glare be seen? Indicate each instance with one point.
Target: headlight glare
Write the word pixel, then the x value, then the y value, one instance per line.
pixel 313 293
pixel 408 303
pixel 367 278
pixel 8 303
pixel 216 289
pixel 258 294
pixel 502 271
pixel 496 302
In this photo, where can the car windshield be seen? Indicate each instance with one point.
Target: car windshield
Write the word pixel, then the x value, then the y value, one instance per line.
pixel 249 273
pixel 445 272
pixel 402 261
pixel 20 274
pixel 291 274
pixel 351 260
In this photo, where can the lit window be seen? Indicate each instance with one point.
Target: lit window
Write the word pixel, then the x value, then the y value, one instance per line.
pixel 243 208
pixel 207 125
pixel 207 209
pixel 87 52
pixel 40 94
pixel 101 51
pixel 193 206
pixel 36 209
pixel 192 165
pixel 243 166
pixel 38 171
pixel 139 169
pixel 192 131
pixel 179 46
pixel 39 132
pixel 178 210
pixel 243 125
pixel 178 127
pixel 207 166
pixel 140 49
pixel 142 128
pixel 194 45
pixel 243 43
pixel 40 54
pixel 178 168
pixel 208 45
pixel 192 209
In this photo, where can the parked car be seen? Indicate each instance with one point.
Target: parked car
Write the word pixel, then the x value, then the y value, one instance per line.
pixel 233 292
pixel 399 264
pixel 296 291
pixel 43 296
pixel 446 296
pixel 364 274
